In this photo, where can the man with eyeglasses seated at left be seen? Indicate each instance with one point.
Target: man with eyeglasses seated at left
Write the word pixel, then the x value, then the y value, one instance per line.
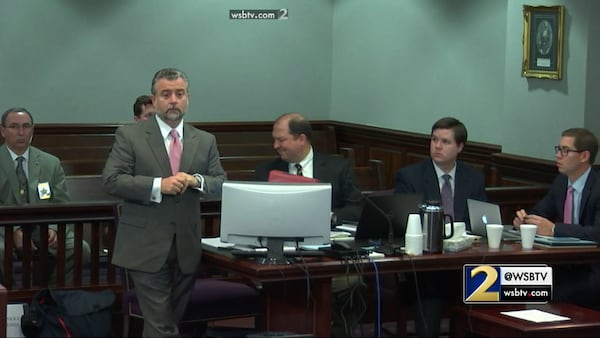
pixel 571 208
pixel 30 176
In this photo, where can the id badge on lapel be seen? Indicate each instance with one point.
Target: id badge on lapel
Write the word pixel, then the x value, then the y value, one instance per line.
pixel 44 191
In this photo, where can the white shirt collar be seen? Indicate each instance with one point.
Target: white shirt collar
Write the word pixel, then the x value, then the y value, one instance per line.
pixel 14 156
pixel 306 163
pixel 165 129
pixel 580 182
pixel 440 173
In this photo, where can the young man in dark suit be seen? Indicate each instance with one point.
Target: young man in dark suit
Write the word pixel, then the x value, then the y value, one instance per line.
pixel 161 168
pixel 448 138
pixel 578 217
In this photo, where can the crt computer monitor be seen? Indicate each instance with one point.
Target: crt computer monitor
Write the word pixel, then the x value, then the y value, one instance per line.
pixel 269 214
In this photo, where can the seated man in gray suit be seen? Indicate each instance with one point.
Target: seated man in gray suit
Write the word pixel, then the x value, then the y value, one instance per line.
pixel 29 175
pixel 292 140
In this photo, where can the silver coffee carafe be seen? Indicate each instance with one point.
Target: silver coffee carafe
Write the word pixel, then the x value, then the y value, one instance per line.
pixel 434 231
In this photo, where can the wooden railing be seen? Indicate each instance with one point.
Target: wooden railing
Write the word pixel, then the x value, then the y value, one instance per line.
pixel 93 221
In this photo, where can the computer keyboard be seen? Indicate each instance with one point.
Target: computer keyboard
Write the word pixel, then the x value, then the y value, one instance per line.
pixel 262 254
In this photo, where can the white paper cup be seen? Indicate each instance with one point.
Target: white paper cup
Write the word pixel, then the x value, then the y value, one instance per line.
pixel 413 226
pixel 527 235
pixel 413 245
pixel 494 235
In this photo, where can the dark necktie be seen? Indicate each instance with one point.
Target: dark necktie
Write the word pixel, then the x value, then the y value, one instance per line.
pixel 568 209
pixel 298 169
pixel 175 152
pixel 22 178
pixel 447 199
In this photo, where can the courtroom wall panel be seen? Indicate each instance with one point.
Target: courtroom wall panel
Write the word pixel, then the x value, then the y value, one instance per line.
pixel 83 149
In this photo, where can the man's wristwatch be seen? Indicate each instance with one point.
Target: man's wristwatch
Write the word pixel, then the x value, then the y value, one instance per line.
pixel 199 180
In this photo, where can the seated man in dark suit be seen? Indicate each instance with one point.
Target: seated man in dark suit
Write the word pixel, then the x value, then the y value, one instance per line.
pixel 572 208
pixel 292 140
pixel 432 177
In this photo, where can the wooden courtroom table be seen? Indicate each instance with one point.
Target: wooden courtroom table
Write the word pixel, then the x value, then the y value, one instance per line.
pixel 297 297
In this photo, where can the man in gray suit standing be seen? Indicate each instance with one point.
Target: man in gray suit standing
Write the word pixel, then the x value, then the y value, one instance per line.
pixel 161 168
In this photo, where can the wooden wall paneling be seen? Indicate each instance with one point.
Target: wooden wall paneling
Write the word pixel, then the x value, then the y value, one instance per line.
pixel 520 170
pixel 83 148
pixel 391 159
pixel 514 198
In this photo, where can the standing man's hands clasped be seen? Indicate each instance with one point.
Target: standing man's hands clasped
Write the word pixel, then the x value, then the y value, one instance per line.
pixel 178 183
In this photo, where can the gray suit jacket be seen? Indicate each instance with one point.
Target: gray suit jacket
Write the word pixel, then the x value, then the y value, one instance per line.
pixel 147 229
pixel 42 168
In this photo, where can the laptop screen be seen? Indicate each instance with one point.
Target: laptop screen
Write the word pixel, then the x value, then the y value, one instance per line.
pixel 482 213
pixel 382 211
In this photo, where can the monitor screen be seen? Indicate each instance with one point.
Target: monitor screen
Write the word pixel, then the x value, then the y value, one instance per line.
pixel 269 214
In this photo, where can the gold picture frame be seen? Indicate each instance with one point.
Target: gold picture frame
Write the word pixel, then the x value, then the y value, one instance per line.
pixel 543 42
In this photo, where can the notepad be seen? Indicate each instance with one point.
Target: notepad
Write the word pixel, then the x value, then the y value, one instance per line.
pixel 563 242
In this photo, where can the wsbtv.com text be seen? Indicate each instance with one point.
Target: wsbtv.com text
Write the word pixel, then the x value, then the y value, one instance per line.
pixel 258 14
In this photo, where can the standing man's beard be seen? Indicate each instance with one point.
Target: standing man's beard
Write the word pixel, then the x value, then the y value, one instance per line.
pixel 173 114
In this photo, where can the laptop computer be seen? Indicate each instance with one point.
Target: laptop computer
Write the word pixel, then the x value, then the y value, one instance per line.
pixel 482 213
pixel 380 212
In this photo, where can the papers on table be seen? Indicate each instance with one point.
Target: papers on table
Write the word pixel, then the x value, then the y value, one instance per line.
pixel 339 234
pixel 535 315
pixel 215 242
pixel 351 228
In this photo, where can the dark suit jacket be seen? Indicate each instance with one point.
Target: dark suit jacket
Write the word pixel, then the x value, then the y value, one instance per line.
pixel 421 178
pixel 551 207
pixel 577 283
pixel 345 195
pixel 146 229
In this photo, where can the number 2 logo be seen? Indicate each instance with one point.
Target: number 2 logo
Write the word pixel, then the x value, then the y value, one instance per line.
pixel 481 294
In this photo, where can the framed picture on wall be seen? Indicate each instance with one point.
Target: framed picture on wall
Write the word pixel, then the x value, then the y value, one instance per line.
pixel 543 42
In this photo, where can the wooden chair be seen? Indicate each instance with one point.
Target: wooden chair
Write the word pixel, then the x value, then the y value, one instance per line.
pixel 212 299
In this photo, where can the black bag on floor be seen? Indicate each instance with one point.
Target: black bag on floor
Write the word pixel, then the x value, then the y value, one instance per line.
pixel 69 313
